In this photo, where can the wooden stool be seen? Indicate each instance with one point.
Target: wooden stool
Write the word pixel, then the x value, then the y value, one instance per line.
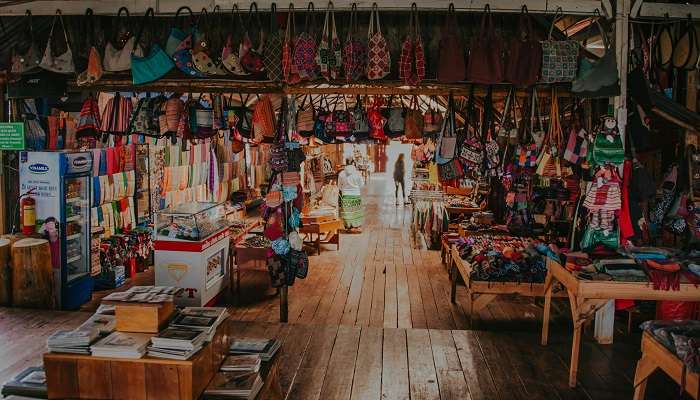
pixel 32 274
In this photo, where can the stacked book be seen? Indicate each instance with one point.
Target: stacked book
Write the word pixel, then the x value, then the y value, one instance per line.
pixel 29 383
pixel 264 348
pixel 176 343
pixel 76 342
pixel 145 294
pixel 241 363
pixel 234 385
pixel 103 324
pixel 203 319
pixel 122 345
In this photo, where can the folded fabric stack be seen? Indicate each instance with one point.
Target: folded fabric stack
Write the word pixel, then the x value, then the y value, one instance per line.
pixel 681 337
pixel 503 259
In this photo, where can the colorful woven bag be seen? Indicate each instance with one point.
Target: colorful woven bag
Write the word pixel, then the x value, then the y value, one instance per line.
pixel 288 71
pixel 329 54
pixel 264 119
pixel 230 54
pixel 378 56
pixel 412 61
pixel 354 51
pixel 559 58
pixel 304 61
pixel 272 53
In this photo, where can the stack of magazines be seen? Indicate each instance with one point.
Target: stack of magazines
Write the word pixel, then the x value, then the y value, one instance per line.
pixel 234 385
pixel 265 348
pixel 176 343
pixel 122 345
pixel 103 324
pixel 241 363
pixel 145 294
pixel 203 319
pixel 76 342
pixel 29 383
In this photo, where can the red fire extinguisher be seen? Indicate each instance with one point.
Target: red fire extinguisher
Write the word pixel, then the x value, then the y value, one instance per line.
pixel 27 213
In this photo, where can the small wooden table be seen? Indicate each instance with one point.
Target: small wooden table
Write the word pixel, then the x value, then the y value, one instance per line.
pixel 481 293
pixel 587 296
pixel 328 228
pixel 656 356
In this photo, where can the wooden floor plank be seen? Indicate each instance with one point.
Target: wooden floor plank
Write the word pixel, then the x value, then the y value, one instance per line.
pixel 338 381
pixel 421 367
pixel 474 367
pixel 418 318
pixel 403 299
pixel 377 311
pixel 395 383
pixel 367 382
pixel 352 303
pixel 295 346
pixel 391 307
pixel 312 372
pixel 364 307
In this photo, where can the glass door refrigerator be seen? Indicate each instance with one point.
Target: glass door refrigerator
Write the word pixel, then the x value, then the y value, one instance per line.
pixel 60 185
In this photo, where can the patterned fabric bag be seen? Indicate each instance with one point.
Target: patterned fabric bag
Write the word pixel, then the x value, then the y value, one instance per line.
pixel 304 61
pixel 576 147
pixel 559 58
pixel 288 49
pixel 115 119
pixel 378 56
pixel 230 54
pixel 376 120
pixel 340 123
pixel 264 119
pixel 412 61
pixel 485 64
pixel 432 119
pixel 305 118
pixel 413 127
pixel 526 155
pixel 329 55
pixel 360 122
pixel 272 53
pixel 251 56
pixel 450 170
pixel 205 61
pixel 276 270
pixel 548 163
pixel 395 119
pixel 354 51
pixel 447 144
pixel 278 151
pixel 89 121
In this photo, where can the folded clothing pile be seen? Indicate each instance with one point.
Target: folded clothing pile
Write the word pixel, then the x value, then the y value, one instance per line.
pixel 681 337
pixel 503 259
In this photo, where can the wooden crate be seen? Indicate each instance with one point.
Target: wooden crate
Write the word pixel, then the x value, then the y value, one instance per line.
pixel 86 377
pixel 142 317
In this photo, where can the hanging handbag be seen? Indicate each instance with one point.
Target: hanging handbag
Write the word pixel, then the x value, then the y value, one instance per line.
pixel 305 118
pixel 360 121
pixel 272 53
pixel 376 120
pixel 201 119
pixel 577 144
pixel 687 49
pixel 322 115
pixel 304 60
pixel 607 146
pixel 525 54
pixel 451 67
pixel 598 78
pixel 202 46
pixel 548 163
pixel 116 115
pixel 264 119
pixel 88 124
pixel 432 118
pixel 340 123
pixel 485 56
pixel 413 125
pixel 26 60
pixel 289 73
pixel 93 71
pixel 378 55
pixel 177 35
pixel 182 56
pixel 140 118
pixel 450 170
pixel 329 53
pixel 447 143
pixel 278 152
pixel 412 60
pixel 118 51
pixel 509 120
pixel 526 153
pixel 395 119
pixel 154 66
pixel 169 118
pixel 354 51
pixel 61 64
pixel 230 54
pixel 251 55
pixel 559 57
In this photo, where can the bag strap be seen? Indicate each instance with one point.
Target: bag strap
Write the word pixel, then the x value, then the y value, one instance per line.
pixel 290 30
pixel 325 33
pixel 310 22
pixel 118 22
pixel 273 19
pixel 89 31
pixel 416 23
pixel 253 13
pixel 450 19
pixel 353 22
pixel 177 16
pixel 374 26
pixel 58 16
pixel 146 22
pixel 525 23
pixel 558 13
pixel 237 19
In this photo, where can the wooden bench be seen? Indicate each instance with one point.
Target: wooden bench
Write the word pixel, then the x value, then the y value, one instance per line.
pixel 656 356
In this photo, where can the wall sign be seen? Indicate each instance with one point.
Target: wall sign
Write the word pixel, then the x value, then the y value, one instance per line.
pixel 11 136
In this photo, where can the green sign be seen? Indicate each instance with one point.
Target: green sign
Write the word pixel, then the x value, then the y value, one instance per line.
pixel 11 136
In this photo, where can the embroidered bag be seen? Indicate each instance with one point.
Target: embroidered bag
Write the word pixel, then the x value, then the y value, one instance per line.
pixel 360 122
pixel 450 170
pixel 525 54
pixel 177 35
pixel 559 57
pixel 230 54
pixel 340 122
pixel 26 60
pixel 329 54
pixel 412 60
pixel 376 120
pixel 305 118
pixel 378 55
pixel 272 52
pixel 61 64
pixel 354 51
pixel 432 118
pixel 413 126
pixel 451 67
pixel 485 64
pixel 577 143
pixel 395 119
pixel 251 58
pixel 183 55
pixel 278 152
pixel 203 56
pixel 264 119
pixel 548 163
pixel 447 143
pixel 88 124
pixel 304 60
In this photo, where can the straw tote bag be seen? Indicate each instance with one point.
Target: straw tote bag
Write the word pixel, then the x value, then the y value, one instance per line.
pixel 378 56
pixel 485 57
pixel 548 162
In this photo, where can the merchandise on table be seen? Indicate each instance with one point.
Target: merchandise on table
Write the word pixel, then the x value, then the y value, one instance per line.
pixel 680 337
pixel 193 221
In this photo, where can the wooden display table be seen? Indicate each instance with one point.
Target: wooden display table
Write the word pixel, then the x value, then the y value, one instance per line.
pixel 587 296
pixel 481 293
pixel 656 356
pixel 87 377
pixel 329 229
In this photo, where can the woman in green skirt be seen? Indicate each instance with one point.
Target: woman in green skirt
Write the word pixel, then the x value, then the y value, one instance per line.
pixel 350 183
